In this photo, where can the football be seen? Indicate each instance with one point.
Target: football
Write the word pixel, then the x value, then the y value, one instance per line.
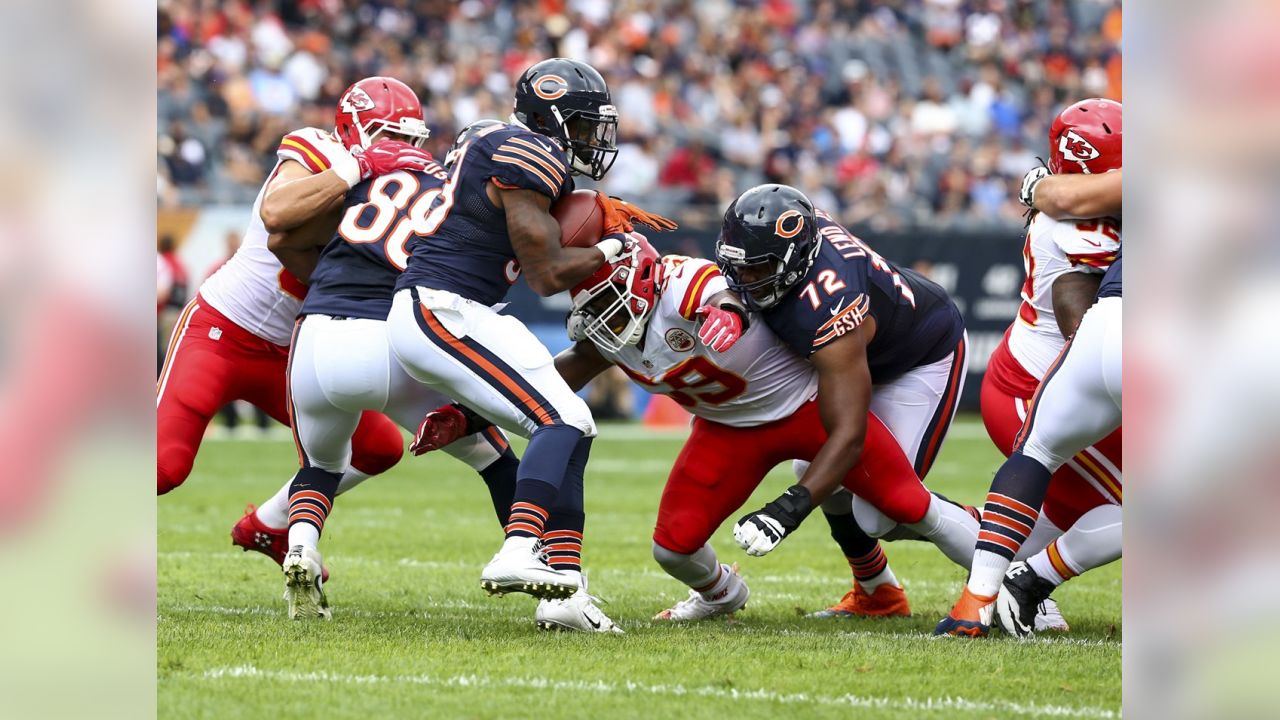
pixel 581 222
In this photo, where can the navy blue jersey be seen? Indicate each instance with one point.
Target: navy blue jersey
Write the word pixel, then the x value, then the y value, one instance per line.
pixel 357 271
pixel 466 249
pixel 916 322
pixel 1113 282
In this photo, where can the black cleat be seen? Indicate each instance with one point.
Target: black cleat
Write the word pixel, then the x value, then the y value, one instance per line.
pixel 1022 594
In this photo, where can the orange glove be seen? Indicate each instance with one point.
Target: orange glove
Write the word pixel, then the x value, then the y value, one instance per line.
pixel 619 214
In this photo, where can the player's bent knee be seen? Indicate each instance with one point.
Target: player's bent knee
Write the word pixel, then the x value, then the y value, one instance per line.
pixel 873 522
pixel 172 469
pixel 575 413
pixel 672 543
pixel 377 444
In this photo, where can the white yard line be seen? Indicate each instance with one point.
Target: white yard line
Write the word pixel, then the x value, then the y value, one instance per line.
pixel 908 704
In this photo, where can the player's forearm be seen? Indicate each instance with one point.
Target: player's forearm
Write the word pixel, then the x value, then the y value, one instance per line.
pixel 570 267
pixel 292 203
pixel 830 466
pixel 577 368
pixel 1080 196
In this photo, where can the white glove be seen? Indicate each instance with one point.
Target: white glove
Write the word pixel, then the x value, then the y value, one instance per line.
pixel 1029 181
pixel 758 533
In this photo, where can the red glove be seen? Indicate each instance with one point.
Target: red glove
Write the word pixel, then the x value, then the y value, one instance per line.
pixel 387 156
pixel 720 328
pixel 439 428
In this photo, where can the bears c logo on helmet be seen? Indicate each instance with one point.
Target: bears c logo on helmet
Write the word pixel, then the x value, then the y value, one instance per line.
pixel 781 229
pixel 356 101
pixel 1075 148
pixel 550 87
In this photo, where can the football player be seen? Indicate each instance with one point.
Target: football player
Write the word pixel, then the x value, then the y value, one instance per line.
pixel 889 349
pixel 1064 261
pixel 488 225
pixel 674 327
pixel 1078 403
pixel 232 339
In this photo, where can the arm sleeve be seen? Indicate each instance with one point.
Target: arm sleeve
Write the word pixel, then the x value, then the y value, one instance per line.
pixel 527 162
pixel 313 148
pixel 1089 245
pixel 691 284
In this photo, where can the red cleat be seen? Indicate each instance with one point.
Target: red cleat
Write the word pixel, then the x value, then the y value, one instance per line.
pixel 251 534
pixel 439 428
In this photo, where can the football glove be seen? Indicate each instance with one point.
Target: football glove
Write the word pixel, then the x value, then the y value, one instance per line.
pixel 721 326
pixel 761 531
pixel 1029 181
pixel 445 425
pixel 619 214
pixel 381 158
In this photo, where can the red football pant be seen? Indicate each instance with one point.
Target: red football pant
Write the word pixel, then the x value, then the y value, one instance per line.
pixel 212 361
pixel 720 466
pixel 1083 483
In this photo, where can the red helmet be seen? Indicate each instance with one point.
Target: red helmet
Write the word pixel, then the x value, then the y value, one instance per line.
pixel 615 301
pixel 379 104
pixel 1085 138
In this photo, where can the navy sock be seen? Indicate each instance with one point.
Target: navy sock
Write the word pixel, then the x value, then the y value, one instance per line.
pixel 500 478
pixel 311 496
pixel 853 542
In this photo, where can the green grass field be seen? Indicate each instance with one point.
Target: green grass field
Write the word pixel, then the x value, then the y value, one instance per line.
pixel 413 635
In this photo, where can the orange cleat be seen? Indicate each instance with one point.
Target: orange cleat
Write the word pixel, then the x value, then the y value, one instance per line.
pixel 887 601
pixel 971 616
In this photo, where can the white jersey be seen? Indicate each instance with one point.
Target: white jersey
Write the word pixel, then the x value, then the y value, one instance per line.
pixel 253 289
pixel 758 380
pixel 1054 248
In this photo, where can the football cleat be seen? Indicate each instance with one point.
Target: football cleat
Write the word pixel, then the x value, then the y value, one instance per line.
pixel 518 567
pixel 250 534
pixel 577 612
pixel 1049 617
pixel 695 607
pixel 303 586
pixel 887 601
pixel 1021 595
pixel 971 616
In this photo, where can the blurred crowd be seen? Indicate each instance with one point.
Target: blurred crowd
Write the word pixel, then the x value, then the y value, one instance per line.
pixel 889 114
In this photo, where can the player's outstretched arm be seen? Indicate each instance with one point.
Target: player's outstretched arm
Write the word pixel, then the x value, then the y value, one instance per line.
pixel 1077 196
pixel 1073 294
pixel 295 195
pixel 844 398
pixel 298 250
pixel 535 238
pixel 580 363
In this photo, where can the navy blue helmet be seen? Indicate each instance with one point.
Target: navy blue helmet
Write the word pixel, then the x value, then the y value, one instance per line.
pixel 467 133
pixel 767 243
pixel 568 101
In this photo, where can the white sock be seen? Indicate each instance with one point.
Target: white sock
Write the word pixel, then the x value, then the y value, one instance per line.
pixel 351 478
pixel 1094 540
pixel 305 534
pixel 951 528
pixel 274 513
pixel 885 576
pixel 987 573
pixel 696 570
pixel 716 593
pixel 519 543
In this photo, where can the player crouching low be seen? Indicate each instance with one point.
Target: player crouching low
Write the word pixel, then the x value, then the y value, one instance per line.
pixel 674 327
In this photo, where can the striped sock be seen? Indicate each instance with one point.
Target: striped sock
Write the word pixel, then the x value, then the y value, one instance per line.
pixel 1007 518
pixel 526 520
pixel 872 570
pixel 1052 564
pixel 310 502
pixel 563 549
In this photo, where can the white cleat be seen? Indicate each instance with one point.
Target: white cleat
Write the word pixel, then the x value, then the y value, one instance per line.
pixel 728 601
pixel 303 584
pixel 1049 617
pixel 577 612
pixel 518 567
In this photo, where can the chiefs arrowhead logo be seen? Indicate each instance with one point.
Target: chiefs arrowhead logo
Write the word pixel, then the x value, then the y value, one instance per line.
pixel 1075 148
pixel 550 87
pixel 356 101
